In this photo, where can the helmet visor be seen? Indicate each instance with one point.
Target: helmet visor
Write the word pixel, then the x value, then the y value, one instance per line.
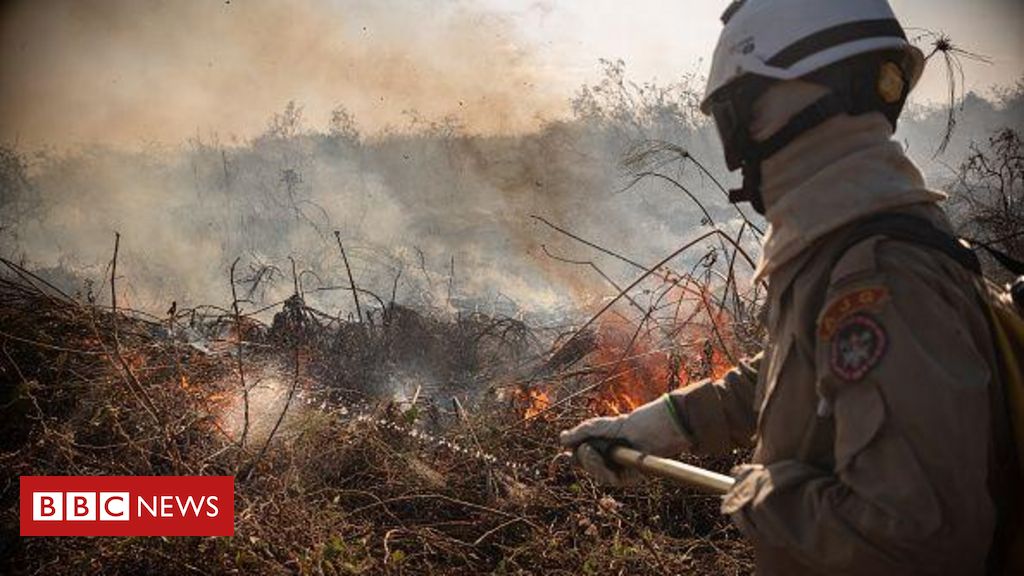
pixel 730 131
pixel 732 110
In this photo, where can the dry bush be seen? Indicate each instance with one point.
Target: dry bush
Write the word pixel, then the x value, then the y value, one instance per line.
pixel 990 195
pixel 385 489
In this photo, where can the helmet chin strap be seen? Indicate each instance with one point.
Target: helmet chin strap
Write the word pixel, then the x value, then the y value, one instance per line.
pixel 822 110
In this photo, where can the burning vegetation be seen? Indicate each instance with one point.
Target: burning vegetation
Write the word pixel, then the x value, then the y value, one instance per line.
pixel 393 441
pixel 380 414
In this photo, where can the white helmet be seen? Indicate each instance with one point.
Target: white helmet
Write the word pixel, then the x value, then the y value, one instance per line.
pixel 856 48
pixel 788 39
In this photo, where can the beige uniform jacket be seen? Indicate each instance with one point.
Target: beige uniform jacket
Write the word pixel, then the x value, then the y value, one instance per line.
pixel 869 413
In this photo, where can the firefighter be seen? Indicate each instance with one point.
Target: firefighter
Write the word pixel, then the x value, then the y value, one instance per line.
pixel 870 411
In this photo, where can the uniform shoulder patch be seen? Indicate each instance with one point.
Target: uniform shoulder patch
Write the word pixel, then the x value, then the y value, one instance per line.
pixel 858 345
pixel 850 303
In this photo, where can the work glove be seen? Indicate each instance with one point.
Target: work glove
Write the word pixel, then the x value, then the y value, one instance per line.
pixel 653 428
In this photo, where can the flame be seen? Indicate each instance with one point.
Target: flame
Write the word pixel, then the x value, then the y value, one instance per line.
pixel 634 373
pixel 639 367
pixel 534 400
pixel 720 364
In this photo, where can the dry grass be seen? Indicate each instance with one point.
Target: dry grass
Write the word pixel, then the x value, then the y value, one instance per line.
pixel 330 493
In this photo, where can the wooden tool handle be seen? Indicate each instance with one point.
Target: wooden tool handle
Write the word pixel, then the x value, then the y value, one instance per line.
pixel 673 470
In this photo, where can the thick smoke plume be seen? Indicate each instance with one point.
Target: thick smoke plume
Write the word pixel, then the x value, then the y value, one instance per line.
pixel 128 72
pixel 445 213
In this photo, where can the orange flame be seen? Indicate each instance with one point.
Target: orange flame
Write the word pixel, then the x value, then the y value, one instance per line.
pixel 637 368
pixel 535 400
pixel 634 373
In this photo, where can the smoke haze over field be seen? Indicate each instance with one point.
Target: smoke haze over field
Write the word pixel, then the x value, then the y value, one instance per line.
pixel 427 133
pixel 129 73
pixel 424 202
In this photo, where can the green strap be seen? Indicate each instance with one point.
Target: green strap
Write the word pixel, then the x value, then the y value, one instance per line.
pixel 676 416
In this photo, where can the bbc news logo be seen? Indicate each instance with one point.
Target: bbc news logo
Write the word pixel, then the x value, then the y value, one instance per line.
pixel 81 506
pixel 127 505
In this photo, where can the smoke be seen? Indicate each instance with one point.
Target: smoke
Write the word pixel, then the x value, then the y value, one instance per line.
pixel 128 73
pixel 439 216
pixel 427 80
pixel 421 132
pixel 436 214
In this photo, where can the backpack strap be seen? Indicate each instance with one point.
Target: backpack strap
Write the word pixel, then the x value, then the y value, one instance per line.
pixel 1016 267
pixel 912 229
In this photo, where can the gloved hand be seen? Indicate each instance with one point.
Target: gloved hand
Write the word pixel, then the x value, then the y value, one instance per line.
pixel 652 428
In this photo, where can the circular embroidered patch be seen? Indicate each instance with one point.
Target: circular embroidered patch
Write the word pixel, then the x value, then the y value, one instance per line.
pixel 857 346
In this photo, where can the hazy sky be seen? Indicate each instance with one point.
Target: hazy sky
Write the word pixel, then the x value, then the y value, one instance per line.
pixel 661 37
pixel 131 72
